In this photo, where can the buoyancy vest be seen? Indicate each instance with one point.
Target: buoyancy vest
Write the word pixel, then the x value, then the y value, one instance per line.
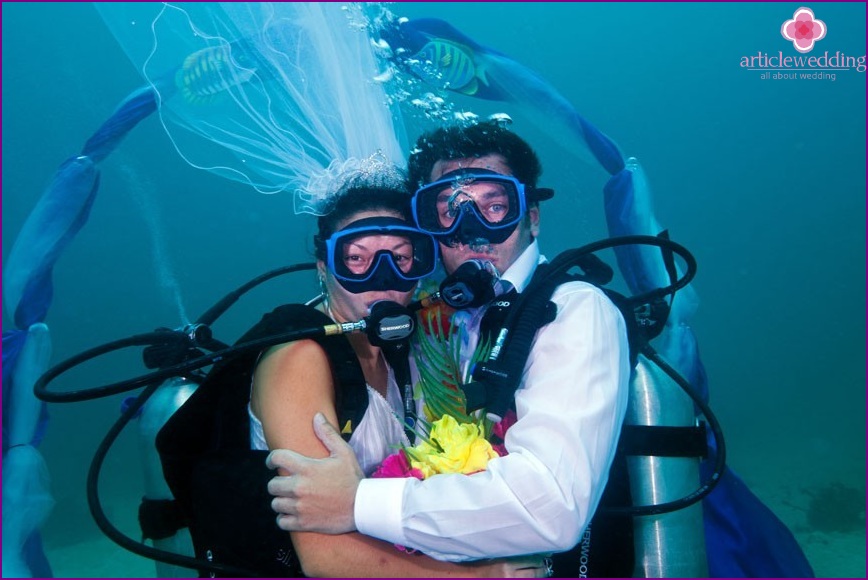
pixel 218 481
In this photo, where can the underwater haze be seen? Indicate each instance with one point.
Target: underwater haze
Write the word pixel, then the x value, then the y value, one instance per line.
pixel 763 179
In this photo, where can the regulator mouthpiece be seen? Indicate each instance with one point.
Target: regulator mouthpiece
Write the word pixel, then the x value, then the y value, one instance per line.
pixel 389 322
pixel 471 285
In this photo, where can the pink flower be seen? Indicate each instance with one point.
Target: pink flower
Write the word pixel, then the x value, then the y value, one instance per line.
pixel 397 465
pixel 499 431
pixel 803 30
pixel 508 421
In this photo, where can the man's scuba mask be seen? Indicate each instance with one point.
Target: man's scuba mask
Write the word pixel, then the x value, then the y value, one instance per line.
pixel 473 206
pixel 378 253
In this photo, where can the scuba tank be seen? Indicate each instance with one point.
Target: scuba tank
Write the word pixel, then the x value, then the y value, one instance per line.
pixel 167 399
pixel 672 544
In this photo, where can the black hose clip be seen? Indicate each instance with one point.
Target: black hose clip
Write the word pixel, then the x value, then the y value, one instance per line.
pixel 470 286
pixel 651 317
pixel 180 345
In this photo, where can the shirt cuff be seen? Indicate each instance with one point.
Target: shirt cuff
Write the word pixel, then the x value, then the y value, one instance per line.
pixel 377 512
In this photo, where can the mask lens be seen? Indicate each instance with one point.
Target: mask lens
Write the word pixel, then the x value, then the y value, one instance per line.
pixel 359 254
pixel 496 201
pixel 367 256
pixel 492 201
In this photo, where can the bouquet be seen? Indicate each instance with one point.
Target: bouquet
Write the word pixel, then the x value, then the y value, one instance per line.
pixel 452 440
pixel 450 447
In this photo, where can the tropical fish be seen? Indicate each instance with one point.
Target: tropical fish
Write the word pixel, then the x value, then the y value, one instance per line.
pixel 447 65
pixel 440 55
pixel 208 72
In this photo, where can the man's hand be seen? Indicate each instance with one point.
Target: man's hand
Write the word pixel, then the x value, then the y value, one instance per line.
pixel 530 566
pixel 316 495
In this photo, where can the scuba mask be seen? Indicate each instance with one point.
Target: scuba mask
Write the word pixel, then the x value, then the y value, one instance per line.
pixel 473 206
pixel 378 253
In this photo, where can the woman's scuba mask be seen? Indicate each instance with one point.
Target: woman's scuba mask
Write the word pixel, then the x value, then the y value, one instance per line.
pixel 359 260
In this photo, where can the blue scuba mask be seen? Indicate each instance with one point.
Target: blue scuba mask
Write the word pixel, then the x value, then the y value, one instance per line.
pixel 469 205
pixel 379 253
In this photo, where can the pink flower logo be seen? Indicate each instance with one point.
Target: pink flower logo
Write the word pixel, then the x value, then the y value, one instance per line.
pixel 804 30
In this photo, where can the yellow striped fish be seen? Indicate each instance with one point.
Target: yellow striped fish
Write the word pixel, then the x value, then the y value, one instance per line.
pixel 447 65
pixel 208 72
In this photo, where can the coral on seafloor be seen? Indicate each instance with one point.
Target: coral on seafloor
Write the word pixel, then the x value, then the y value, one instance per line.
pixel 836 507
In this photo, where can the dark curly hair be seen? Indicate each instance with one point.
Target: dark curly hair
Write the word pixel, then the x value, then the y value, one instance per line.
pixel 357 199
pixel 477 140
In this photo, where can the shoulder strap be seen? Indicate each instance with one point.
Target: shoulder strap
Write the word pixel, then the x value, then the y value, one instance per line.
pixel 352 393
pixel 496 380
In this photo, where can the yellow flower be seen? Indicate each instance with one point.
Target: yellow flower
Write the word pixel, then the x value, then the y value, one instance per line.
pixel 452 447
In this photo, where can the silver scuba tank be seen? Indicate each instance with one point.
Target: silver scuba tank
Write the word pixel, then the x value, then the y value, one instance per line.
pixel 669 545
pixel 167 399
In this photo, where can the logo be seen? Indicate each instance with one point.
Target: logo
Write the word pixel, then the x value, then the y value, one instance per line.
pixel 803 30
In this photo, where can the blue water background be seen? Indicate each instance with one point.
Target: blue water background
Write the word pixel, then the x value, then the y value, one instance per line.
pixel 764 180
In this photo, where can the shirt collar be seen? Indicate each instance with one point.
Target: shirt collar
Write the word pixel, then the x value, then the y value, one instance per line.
pixel 521 271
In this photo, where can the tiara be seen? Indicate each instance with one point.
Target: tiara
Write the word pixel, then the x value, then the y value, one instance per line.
pixel 324 188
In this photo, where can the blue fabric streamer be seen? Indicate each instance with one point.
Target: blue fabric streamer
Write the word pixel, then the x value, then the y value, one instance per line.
pixel 59 215
pixel 13 342
pixel 134 108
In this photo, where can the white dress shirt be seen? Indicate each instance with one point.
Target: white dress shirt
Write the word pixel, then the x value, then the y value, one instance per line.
pixel 570 405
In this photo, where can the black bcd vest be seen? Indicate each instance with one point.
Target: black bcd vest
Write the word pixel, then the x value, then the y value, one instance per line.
pixel 219 483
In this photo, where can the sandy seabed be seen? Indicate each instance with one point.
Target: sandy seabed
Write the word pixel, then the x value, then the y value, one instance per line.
pixel 832 554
